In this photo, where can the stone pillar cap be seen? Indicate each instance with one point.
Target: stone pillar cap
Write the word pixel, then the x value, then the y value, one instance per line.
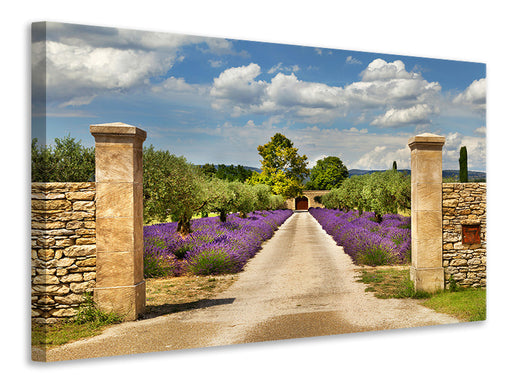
pixel 427 138
pixel 115 129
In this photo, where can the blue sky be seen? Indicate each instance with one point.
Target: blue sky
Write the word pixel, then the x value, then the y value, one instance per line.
pixel 215 100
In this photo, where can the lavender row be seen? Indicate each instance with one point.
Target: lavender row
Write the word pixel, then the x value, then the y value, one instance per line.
pixel 213 247
pixel 366 240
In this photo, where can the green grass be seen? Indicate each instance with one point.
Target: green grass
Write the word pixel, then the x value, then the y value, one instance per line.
pixel 467 304
pixel 88 322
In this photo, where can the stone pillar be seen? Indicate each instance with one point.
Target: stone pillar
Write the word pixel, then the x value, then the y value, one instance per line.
pixel 426 212
pixel 120 285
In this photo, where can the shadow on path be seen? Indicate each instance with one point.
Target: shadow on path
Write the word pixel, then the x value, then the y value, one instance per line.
pixel 153 311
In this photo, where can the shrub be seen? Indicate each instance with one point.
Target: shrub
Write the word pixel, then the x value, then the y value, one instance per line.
pixel 212 260
pixel 366 240
pixel 89 314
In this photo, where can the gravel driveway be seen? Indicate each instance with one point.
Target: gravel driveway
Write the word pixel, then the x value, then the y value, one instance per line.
pixel 300 284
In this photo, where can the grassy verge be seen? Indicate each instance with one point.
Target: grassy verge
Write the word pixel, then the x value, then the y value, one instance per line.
pixel 394 282
pixel 88 322
pixel 163 296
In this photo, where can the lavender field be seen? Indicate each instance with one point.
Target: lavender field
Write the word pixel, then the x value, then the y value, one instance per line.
pixel 364 239
pixel 212 248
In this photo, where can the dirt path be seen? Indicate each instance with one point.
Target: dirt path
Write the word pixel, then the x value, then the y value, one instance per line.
pixel 299 285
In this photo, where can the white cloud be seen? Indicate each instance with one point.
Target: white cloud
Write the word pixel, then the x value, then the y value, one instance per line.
pixel 395 92
pixel 384 85
pixel 417 114
pixel 83 62
pixel 215 63
pixel 352 60
pixel 355 130
pixel 282 68
pixel 474 95
pixel 481 130
pixel 84 67
pixel 382 157
pixel 238 85
pixel 175 85
pixel 288 91
pixel 77 101
pixel 379 69
pixel 476 149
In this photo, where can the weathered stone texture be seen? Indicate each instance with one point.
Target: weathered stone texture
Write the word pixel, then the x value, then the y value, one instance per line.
pixel 63 248
pixel 464 204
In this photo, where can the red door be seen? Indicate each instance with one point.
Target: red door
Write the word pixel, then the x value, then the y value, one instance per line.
pixel 301 203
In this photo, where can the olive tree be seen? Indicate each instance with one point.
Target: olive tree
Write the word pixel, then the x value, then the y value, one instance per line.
pixel 172 187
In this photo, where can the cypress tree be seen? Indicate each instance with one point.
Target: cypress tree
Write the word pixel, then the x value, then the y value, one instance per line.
pixel 463 165
pixel 394 166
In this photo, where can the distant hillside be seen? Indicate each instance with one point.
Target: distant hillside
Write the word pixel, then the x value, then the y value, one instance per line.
pixel 245 166
pixel 448 173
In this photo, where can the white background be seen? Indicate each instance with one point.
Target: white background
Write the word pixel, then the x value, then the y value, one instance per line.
pixel 457 30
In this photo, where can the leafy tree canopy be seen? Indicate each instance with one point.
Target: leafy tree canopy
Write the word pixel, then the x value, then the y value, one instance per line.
pixel 282 167
pixel 328 173
pixel 67 161
pixel 227 172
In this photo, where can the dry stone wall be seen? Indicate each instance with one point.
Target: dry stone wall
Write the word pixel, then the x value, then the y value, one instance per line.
pixel 63 248
pixel 464 234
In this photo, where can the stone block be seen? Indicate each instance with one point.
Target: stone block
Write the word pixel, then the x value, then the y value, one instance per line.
pixel 69 299
pixel 116 199
pixel 45 254
pixel 85 241
pixel 87 195
pixel 48 225
pixel 429 224
pixel 73 277
pixel 428 280
pixel 74 224
pixel 115 269
pixel 45 280
pixel 64 243
pixel 426 253
pixel 128 302
pixel 114 234
pixel 80 250
pixel 82 287
pixel 89 262
pixel 46 205
pixel 427 196
pixel 84 206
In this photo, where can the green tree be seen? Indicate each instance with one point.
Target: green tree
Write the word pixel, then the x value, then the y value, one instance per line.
pixel 463 165
pixel 380 192
pixel 328 173
pixel 245 197
pixel 232 173
pixel 394 166
pixel 221 197
pixel 67 161
pixel 282 167
pixel 209 170
pixel 172 187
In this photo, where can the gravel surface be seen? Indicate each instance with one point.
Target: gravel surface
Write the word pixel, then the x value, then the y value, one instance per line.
pixel 301 284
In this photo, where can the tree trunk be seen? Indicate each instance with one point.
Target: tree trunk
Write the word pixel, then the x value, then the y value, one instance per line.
pixel 184 227
pixel 223 216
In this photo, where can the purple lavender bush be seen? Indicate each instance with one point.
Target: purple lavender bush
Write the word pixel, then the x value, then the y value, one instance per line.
pixel 366 241
pixel 212 248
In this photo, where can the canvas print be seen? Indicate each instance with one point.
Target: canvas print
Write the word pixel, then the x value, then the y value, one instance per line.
pixel 190 191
